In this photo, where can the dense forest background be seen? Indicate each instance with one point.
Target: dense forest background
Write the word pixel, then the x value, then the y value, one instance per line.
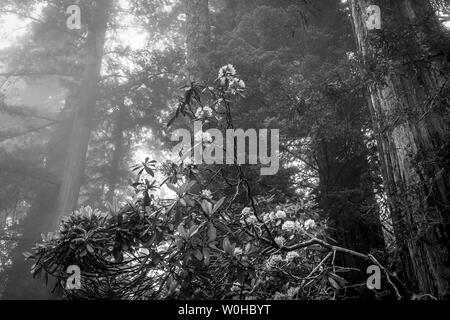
pixel 88 177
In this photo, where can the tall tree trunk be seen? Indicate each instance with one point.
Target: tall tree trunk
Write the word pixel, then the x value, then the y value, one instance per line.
pixel 119 150
pixel 408 60
pixel 198 37
pixel 81 130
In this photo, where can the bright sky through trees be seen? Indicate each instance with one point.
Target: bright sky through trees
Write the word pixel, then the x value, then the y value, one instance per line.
pixel 12 27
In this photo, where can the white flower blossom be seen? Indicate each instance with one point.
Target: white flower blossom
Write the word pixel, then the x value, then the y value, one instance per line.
pixel 227 70
pixel 281 214
pixel 292 291
pixel 199 113
pixel 208 110
pixel 230 69
pixel 207 194
pixel 288 226
pixel 272 215
pixel 241 84
pixel 280 241
pixel 238 251
pixel 310 224
pixel 298 226
pixel 246 210
pixel 273 260
pixel 292 255
pixel 252 219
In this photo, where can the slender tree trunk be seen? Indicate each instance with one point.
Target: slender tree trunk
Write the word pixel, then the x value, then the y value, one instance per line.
pixel 119 151
pixel 79 140
pixel 408 60
pixel 66 142
pixel 198 37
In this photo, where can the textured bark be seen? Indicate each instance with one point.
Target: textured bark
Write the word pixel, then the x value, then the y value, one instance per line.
pixel 410 108
pixel 198 37
pixel 81 129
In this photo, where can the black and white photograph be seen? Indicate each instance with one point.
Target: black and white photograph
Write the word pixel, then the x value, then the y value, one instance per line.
pixel 250 153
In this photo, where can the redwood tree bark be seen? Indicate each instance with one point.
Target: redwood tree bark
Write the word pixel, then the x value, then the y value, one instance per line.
pixel 408 68
pixel 81 129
